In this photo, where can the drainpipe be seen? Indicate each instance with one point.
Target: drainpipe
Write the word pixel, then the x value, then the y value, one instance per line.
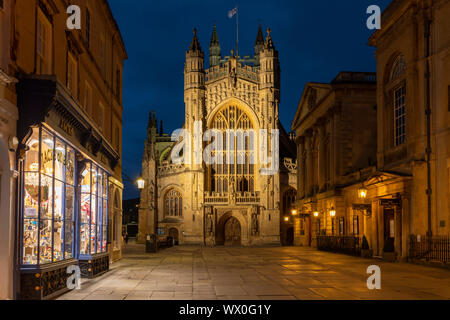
pixel 428 116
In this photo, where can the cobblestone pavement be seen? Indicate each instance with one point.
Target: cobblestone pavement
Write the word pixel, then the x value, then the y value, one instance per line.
pixel 196 273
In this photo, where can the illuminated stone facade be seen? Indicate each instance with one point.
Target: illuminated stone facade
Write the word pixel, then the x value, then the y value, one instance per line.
pixel 219 204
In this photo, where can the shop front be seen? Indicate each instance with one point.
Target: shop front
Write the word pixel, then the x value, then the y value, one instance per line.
pixel 65 167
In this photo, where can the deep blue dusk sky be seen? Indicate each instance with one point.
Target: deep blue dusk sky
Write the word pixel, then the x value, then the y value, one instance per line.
pixel 315 40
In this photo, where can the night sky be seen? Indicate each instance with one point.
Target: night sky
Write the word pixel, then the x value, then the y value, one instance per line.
pixel 315 40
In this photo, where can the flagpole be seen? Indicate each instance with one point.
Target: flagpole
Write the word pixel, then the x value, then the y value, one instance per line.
pixel 237 32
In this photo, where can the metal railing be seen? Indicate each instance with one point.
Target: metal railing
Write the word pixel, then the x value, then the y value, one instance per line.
pixel 436 248
pixel 340 244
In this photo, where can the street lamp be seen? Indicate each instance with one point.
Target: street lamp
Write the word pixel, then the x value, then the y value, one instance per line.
pixel 316 214
pixel 286 219
pixel 140 183
pixel 294 212
pixel 362 192
pixel 332 212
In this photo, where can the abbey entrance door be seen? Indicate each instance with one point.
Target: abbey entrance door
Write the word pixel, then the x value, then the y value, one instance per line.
pixel 232 232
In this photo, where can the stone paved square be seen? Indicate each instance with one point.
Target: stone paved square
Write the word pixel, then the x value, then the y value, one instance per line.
pixel 261 273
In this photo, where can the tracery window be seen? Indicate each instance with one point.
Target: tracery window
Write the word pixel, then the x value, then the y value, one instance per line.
pixel 237 175
pixel 173 203
pixel 288 200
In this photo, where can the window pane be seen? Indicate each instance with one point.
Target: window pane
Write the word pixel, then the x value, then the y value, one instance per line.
pixel 46 197
pixel 94 180
pixel 85 208
pixel 86 183
pixel 58 240
pixel 31 195
pixel 93 238
pixel 100 210
pixel 60 160
pixel 30 241
pixel 70 193
pixel 84 239
pixel 32 155
pixel 104 239
pixel 99 238
pixel 68 245
pixel 45 241
pixel 58 194
pixel 94 210
pixel 105 185
pixel 70 166
pixel 47 146
pixel 105 211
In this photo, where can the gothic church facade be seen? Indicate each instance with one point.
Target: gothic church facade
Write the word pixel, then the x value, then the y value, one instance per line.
pixel 221 204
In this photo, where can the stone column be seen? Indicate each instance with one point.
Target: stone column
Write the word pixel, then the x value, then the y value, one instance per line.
pixel 380 228
pixel 322 157
pixel 309 165
pixel 301 167
pixel 405 228
pixel 374 242
pixel 398 231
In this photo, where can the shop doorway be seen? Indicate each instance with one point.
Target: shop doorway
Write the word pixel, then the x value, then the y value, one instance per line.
pixel 290 236
pixel 232 232
pixel 389 224
pixel 173 232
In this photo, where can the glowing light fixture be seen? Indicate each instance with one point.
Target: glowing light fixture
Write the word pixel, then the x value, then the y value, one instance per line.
pixel 286 219
pixel 294 212
pixel 332 212
pixel 362 192
pixel 316 214
pixel 140 183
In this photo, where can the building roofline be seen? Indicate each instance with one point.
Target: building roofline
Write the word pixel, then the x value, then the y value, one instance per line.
pixel 116 25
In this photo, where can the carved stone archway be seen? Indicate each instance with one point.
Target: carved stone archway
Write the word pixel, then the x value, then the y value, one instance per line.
pixel 232 232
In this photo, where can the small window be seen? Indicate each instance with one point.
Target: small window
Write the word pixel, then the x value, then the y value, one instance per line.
pixel 43 45
pixel 1 4
pixel 399 116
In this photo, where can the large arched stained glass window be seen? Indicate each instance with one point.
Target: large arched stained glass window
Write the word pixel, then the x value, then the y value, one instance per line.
pixel 236 175
pixel 173 203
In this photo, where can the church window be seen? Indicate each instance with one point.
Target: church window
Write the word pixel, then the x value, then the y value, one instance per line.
pixel 235 175
pixel 173 203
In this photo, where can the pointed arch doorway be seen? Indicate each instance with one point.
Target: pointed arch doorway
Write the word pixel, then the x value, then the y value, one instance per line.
pixel 232 232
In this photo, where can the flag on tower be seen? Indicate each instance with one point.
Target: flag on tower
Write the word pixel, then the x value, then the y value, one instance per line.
pixel 231 13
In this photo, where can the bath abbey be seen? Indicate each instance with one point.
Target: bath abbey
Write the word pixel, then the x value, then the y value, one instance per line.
pixel 222 203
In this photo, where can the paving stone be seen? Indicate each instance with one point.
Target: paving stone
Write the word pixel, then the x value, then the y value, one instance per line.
pixel 196 273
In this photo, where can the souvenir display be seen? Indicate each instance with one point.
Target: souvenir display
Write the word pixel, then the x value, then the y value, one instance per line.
pixel 49 202
pixel 93 210
pixel 48 213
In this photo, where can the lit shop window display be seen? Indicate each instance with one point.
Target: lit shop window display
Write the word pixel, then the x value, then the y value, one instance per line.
pixel 48 199
pixel 94 210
